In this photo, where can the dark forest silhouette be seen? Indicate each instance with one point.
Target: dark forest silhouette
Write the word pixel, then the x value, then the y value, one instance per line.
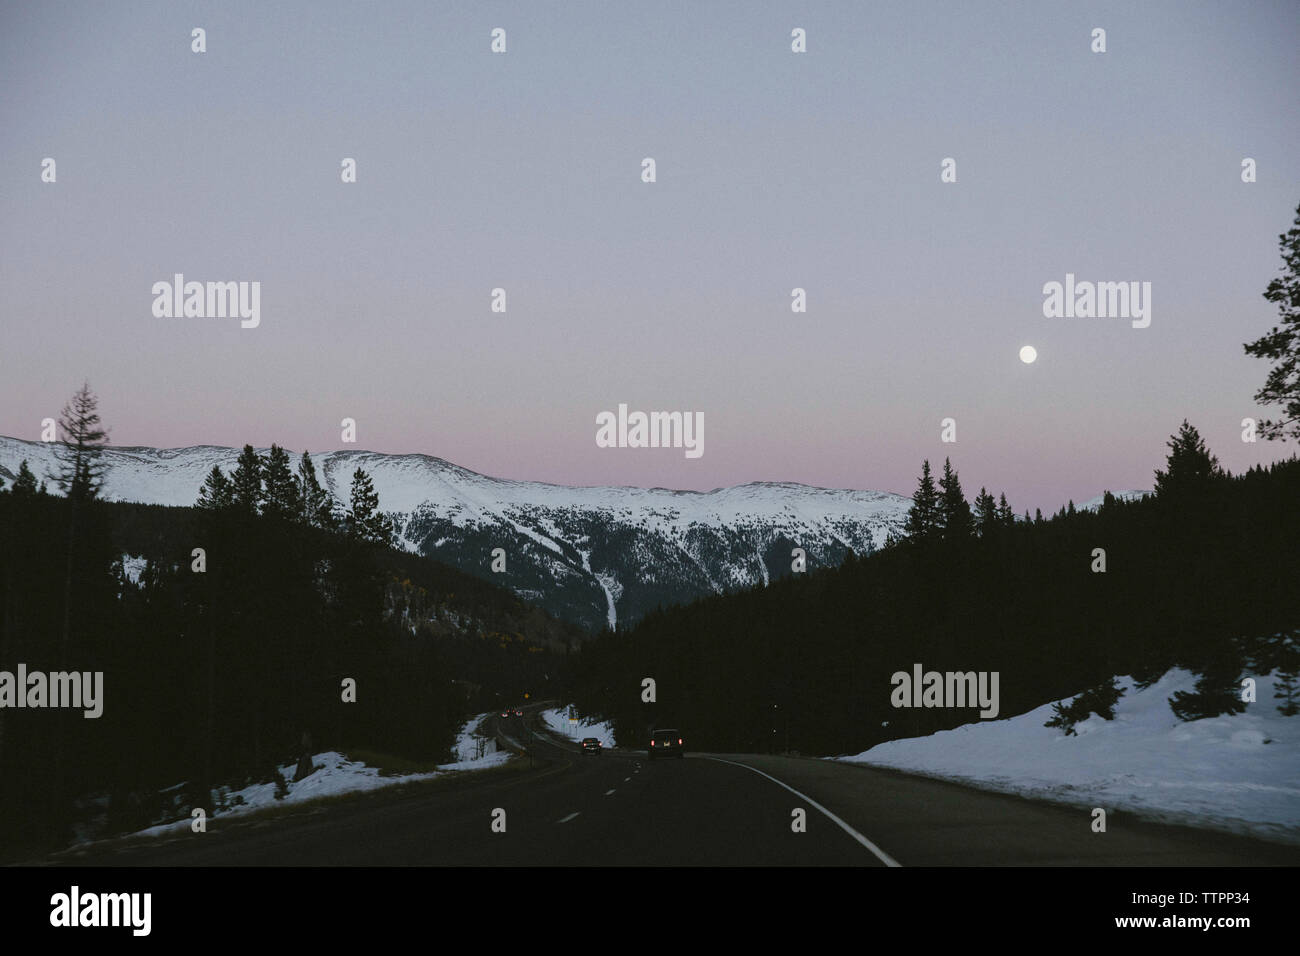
pixel 1204 574
pixel 213 677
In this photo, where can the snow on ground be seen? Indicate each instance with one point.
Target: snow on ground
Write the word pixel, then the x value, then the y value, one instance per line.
pixel 335 775
pixel 557 721
pixel 474 750
pixel 133 567
pixel 1239 773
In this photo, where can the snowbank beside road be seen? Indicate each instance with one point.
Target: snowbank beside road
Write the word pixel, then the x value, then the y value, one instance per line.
pixel 335 774
pixel 1239 773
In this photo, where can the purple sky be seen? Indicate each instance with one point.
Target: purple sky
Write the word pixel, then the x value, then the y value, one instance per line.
pixel 775 170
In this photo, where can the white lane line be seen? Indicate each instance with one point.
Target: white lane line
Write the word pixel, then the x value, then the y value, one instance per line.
pixel 569 817
pixel 626 779
pixel 881 855
pixel 608 792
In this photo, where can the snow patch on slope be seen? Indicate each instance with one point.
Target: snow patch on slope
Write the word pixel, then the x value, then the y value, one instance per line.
pixel 557 721
pixel 133 567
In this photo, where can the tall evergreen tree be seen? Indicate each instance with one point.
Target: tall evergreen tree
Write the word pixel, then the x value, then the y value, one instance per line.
pixel 217 491
pixel 25 483
pixel 987 516
pixel 81 468
pixel 1006 516
pixel 955 522
pixel 80 478
pixel 1282 344
pixel 1191 467
pixel 281 497
pixel 923 516
pixel 246 482
pixel 365 521
pixel 317 504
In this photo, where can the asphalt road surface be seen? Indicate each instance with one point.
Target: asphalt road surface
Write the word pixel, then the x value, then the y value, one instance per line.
pixel 620 809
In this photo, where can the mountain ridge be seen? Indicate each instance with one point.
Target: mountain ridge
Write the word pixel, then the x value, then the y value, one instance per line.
pixel 595 554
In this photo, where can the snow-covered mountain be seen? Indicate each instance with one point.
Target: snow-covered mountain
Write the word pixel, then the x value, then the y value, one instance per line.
pixel 599 556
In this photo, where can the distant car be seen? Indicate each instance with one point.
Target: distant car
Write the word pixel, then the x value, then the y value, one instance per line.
pixel 518 712
pixel 667 743
pixel 505 714
pixel 590 745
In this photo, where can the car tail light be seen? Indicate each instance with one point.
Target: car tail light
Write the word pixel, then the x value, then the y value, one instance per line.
pixel 679 741
pixel 652 743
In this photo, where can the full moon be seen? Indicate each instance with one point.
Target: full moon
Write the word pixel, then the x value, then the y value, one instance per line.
pixel 1028 354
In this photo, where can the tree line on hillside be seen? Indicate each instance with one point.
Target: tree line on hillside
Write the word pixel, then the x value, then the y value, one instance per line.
pixel 1200 575
pixel 229 656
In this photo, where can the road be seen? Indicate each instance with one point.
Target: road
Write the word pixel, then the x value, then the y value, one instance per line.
pixel 620 809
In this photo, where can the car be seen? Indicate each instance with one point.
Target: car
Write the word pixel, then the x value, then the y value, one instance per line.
pixel 590 745
pixel 667 742
pixel 505 714
pixel 518 712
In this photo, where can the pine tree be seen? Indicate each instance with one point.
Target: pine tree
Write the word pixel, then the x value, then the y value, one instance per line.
pixel 25 483
pixel 317 504
pixel 81 473
pixel 923 516
pixel 1006 516
pixel 1217 690
pixel 987 516
pixel 280 495
pixel 1286 688
pixel 1282 344
pixel 1063 716
pixel 1191 467
pixel 955 520
pixel 217 491
pixel 80 478
pixel 365 521
pixel 1100 699
pixel 246 482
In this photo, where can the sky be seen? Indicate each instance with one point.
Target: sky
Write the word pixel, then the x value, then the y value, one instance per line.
pixel 775 170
